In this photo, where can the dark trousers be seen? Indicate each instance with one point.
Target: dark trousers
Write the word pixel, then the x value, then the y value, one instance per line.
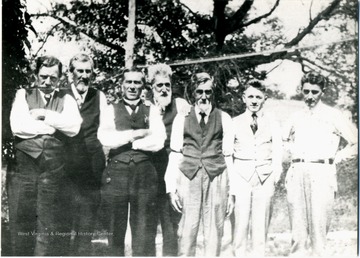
pixel 36 212
pixel 85 171
pixel 169 219
pixel 131 185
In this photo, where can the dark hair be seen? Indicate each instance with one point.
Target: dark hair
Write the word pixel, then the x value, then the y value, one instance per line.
pixel 256 84
pixel 48 61
pixel 197 78
pixel 314 78
pixel 80 58
pixel 135 70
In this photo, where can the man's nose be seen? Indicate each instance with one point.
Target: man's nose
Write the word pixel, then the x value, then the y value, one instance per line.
pixel 48 81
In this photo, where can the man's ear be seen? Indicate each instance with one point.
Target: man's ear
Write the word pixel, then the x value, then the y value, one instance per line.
pixel 266 97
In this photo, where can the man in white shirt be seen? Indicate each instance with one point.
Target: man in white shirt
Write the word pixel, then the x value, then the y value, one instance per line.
pixel 257 169
pixel 86 159
pixel 132 131
pixel 159 77
pixel 314 135
pixel 197 178
pixel 41 119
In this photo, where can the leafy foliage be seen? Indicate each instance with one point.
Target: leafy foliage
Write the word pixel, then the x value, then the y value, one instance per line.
pixel 16 23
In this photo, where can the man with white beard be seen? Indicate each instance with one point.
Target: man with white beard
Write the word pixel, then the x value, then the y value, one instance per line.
pixel 159 76
pixel 197 179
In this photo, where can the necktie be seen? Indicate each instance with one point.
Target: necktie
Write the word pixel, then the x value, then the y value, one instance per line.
pixel 80 101
pixel 202 120
pixel 254 125
pixel 47 98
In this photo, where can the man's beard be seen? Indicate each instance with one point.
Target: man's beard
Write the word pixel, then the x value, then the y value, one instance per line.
pixel 204 106
pixel 162 98
pixel 82 86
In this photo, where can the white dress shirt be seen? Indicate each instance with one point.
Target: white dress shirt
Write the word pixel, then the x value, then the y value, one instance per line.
pixel 177 142
pixel 25 126
pixel 112 138
pixel 315 134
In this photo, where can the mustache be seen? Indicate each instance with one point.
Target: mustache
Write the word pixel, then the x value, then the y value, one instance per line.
pixel 84 80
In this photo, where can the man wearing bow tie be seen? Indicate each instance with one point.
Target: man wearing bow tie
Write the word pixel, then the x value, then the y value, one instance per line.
pixel 132 131
pixel 257 169
pixel 197 178
pixel 41 119
pixel 86 159
pixel 159 76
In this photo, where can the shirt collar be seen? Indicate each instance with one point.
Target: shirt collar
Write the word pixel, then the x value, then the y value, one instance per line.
pixel 207 112
pixel 77 94
pixel 132 102
pixel 260 113
pixel 52 93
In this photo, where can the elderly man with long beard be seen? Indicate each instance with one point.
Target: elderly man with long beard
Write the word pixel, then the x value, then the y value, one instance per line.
pixel 197 178
pixel 159 76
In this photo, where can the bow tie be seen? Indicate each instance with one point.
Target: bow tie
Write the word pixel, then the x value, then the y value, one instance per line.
pixel 132 106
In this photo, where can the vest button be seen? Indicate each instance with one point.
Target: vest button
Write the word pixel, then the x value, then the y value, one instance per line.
pixel 200 166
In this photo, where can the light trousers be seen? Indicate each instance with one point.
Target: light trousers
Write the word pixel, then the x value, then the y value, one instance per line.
pixel 253 205
pixel 203 201
pixel 310 193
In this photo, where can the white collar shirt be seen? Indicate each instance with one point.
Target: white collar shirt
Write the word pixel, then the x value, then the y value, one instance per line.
pixel 315 134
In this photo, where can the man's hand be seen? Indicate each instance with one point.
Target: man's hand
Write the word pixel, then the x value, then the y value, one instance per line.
pixel 38 113
pixel 230 205
pixel 175 202
pixel 140 133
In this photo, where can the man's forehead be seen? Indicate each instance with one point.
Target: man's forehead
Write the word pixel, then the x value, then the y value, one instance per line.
pixel 53 70
pixel 311 86
pixel 82 65
pixel 205 86
pixel 253 91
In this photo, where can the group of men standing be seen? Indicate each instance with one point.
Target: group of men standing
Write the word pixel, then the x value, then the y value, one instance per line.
pixel 168 161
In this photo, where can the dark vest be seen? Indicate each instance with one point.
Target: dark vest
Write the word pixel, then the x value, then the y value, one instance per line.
pixel 203 148
pixel 47 144
pixel 124 121
pixel 90 113
pixel 168 119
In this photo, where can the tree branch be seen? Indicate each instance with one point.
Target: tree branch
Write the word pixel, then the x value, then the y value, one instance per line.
pixel 235 22
pixel 96 39
pixel 322 15
pixel 256 20
pixel 46 37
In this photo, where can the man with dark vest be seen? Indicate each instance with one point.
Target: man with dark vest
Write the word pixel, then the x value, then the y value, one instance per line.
pixel 132 131
pixel 41 118
pixel 197 177
pixel 86 159
pixel 159 76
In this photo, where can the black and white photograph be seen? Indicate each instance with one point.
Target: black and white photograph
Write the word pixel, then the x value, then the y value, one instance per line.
pixel 196 128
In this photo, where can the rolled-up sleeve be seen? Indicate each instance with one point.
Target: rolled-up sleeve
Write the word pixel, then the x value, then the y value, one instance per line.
pixel 157 136
pixel 68 121
pixel 175 157
pixel 22 123
pixel 107 133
